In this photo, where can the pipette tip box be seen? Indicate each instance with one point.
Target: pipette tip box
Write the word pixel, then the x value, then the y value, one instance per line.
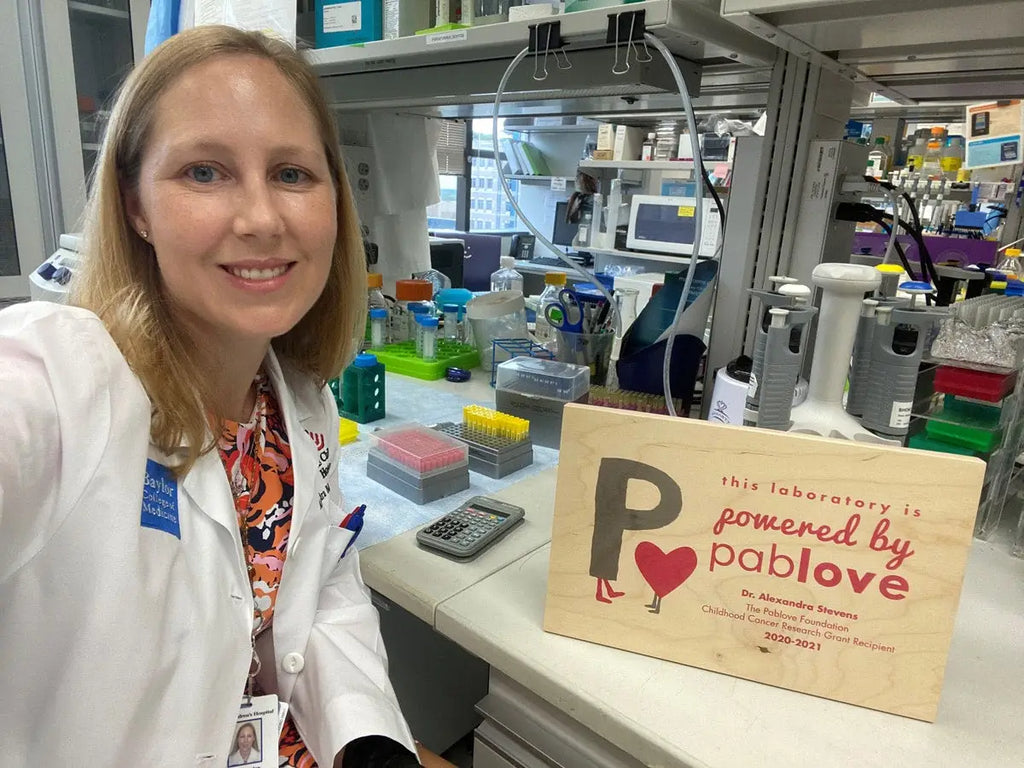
pixel 537 390
pixel 419 463
pixel 490 455
pixel 980 385
pixel 967 424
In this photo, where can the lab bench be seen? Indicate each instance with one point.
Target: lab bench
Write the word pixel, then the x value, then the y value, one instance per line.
pixel 585 705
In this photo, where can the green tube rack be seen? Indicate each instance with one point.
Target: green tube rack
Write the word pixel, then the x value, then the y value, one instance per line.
pixel 967 424
pixel 402 358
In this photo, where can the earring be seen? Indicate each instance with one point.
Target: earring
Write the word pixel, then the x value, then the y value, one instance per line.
pixel 144 234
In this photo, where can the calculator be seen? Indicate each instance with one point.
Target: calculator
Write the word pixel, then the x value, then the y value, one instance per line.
pixel 468 530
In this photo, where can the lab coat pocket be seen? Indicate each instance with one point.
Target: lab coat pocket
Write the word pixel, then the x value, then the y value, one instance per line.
pixel 337 542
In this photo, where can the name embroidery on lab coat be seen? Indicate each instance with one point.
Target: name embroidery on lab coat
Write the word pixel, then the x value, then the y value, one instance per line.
pixel 323 463
pixel 160 500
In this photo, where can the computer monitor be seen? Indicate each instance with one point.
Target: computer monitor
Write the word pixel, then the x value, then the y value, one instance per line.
pixel 563 232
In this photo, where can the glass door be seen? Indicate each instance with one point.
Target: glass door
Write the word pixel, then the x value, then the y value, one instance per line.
pixel 103 45
pixel 9 266
pixel 21 230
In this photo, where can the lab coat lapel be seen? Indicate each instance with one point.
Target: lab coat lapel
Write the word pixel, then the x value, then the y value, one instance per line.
pixel 206 486
pixel 304 452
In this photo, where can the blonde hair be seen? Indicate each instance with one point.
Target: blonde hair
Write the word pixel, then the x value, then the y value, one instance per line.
pixel 120 280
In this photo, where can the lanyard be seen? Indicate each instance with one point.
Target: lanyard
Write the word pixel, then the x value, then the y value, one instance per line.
pixel 245 478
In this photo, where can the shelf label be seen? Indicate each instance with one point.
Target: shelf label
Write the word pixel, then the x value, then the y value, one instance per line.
pixel 343 17
pixel 444 38
pixel 558 184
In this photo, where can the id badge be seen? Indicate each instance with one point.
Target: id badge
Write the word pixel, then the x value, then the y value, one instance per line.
pixel 254 743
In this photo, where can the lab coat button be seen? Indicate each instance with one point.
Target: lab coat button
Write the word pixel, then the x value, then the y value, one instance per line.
pixel 293 663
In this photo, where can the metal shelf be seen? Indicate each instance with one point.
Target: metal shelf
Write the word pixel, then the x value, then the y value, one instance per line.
pixel 447 73
pixel 547 179
pixel 688 27
pixel 588 128
pixel 97 10
pixel 920 51
pixel 663 257
pixel 640 165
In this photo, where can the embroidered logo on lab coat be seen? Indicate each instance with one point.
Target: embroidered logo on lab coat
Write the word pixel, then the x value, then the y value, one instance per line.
pixel 160 500
pixel 323 463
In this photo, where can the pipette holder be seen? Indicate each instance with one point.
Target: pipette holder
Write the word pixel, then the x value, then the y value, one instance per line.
pixel 786 342
pixel 769 299
pixel 897 346
pixel 491 455
pixel 860 364
pixel 843 289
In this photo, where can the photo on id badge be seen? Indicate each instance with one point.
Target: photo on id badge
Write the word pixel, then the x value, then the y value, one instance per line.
pixel 245 747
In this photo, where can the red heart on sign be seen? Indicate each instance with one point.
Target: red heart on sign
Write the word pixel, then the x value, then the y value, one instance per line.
pixel 664 571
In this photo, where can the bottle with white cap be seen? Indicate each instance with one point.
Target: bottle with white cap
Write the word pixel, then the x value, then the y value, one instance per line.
pixel 506 278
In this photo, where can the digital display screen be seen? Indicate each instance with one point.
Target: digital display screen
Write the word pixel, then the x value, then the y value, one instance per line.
pixel 485 510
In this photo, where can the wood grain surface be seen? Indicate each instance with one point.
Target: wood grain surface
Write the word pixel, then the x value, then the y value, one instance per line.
pixel 823 566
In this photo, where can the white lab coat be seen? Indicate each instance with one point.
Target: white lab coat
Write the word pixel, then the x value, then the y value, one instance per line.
pixel 254 758
pixel 123 645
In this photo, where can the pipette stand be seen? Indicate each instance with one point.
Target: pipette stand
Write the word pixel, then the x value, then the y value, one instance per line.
pixel 843 287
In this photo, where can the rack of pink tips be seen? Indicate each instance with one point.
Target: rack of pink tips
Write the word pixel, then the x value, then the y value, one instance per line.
pixel 421 451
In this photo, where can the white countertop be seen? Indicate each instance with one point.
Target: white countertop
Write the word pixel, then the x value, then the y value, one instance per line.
pixel 419 580
pixel 667 714
pixel 389 514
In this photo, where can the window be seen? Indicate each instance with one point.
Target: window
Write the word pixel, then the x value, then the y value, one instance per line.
pixel 450 211
pixel 486 193
pixel 451 148
pixel 471 193
pixel 443 215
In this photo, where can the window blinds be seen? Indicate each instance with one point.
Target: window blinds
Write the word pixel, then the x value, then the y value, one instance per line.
pixel 451 148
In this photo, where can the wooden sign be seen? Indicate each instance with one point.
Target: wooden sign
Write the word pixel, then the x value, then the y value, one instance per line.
pixel 823 566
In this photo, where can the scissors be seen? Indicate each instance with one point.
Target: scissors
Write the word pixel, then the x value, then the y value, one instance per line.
pixel 566 314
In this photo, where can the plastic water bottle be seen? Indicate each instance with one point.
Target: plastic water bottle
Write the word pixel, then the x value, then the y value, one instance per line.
pixel 553 283
pixel 507 278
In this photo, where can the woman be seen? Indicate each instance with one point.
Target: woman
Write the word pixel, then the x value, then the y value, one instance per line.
pixel 247 747
pixel 169 511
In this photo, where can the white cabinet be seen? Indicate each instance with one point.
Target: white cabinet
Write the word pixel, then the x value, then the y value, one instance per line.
pixel 521 730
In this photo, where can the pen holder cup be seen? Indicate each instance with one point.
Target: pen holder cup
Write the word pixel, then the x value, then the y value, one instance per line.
pixel 593 350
